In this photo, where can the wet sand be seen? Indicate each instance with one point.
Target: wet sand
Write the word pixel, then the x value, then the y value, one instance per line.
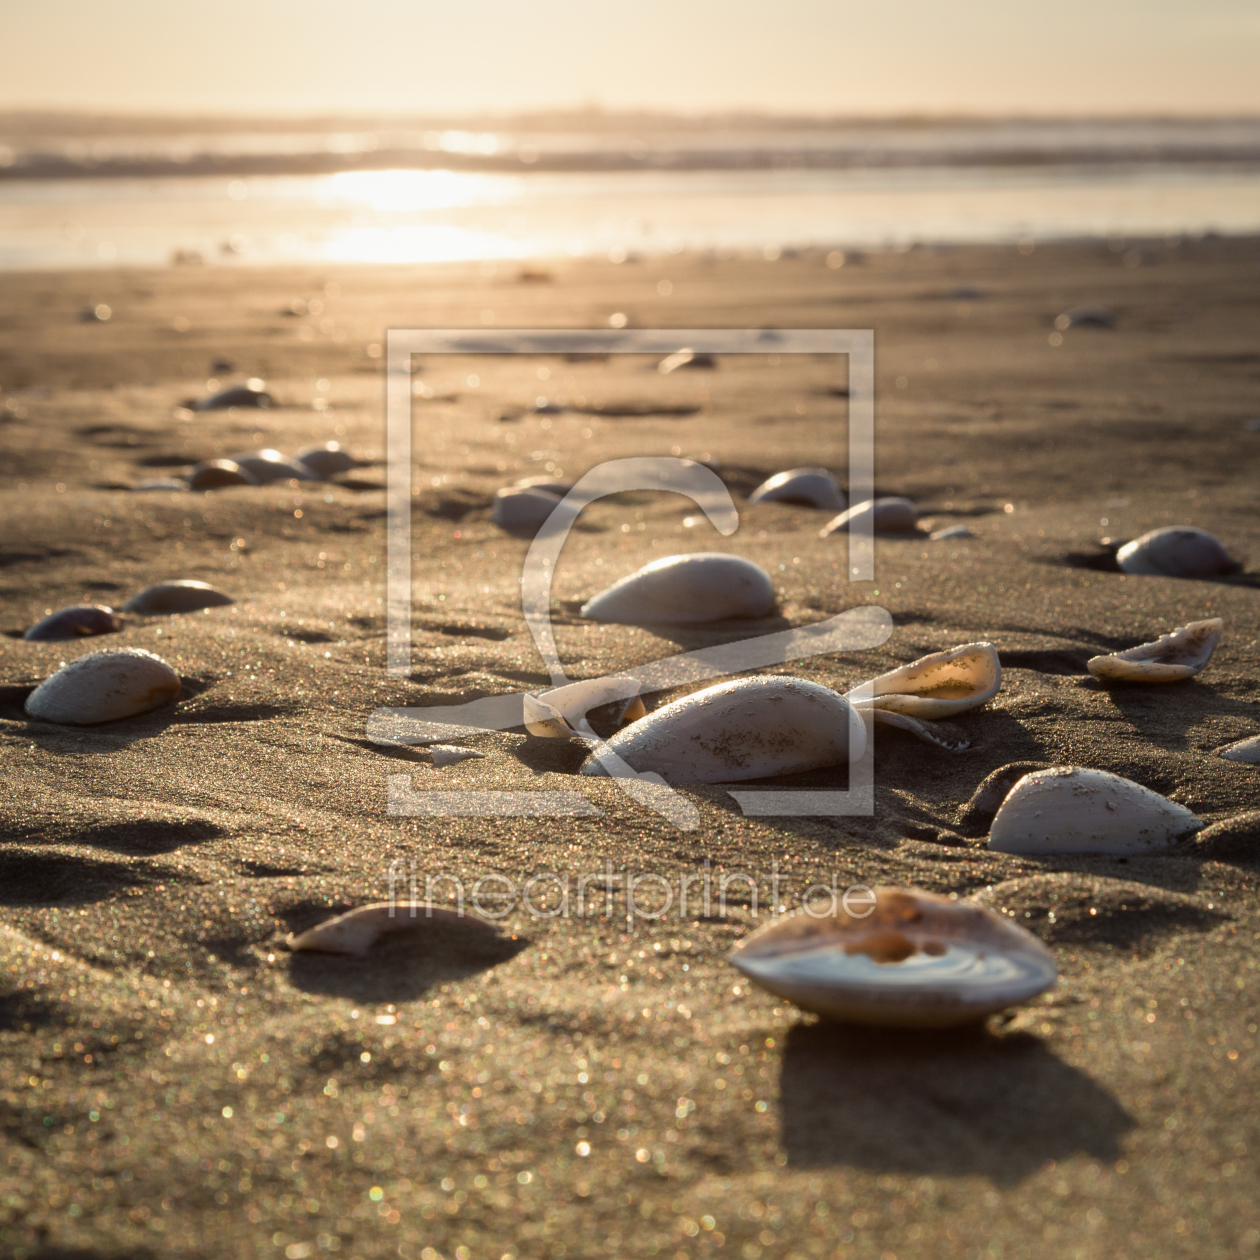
pixel 175 1083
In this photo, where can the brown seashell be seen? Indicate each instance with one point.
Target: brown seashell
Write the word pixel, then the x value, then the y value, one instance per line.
pixel 180 595
pixel 77 621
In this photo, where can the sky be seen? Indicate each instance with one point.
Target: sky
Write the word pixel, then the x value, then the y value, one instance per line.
pixel 299 57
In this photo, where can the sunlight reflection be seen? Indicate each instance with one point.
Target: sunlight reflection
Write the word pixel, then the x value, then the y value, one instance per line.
pixel 417 243
pixel 402 190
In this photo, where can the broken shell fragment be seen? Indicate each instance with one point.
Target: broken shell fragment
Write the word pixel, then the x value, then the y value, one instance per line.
pixel 269 465
pixel 561 711
pixel 356 931
pixel 1182 653
pixel 1247 750
pixel 748 728
pixel 452 754
pixel 814 487
pixel 77 621
pixel 1068 809
pixel 325 461
pixel 523 511
pixel 213 474
pixel 103 687
pixel 180 595
pixel 703 586
pixel 912 960
pixel 1177 551
pixel 892 515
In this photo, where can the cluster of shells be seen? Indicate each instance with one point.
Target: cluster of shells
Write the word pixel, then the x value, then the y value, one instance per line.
pixel 259 468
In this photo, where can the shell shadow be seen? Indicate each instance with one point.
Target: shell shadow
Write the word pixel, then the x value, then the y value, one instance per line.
pixel 136 837
pixel 31 878
pixel 401 967
pixel 951 1103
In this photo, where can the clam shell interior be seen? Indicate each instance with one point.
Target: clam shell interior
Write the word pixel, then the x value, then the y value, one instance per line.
pixel 935 686
pixel 1181 653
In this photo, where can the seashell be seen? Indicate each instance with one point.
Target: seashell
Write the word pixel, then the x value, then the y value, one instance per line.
pixel 325 461
pixel 685 359
pixel 77 621
pixel 1067 809
pixel 452 754
pixel 269 465
pixel 1247 750
pixel 356 931
pixel 1176 551
pixel 936 686
pixel 235 396
pixel 160 483
pixel 916 960
pixel 814 487
pixel 702 586
pixel 1233 839
pixel 547 484
pixel 1086 317
pixel 561 711
pixel 103 687
pixel 951 532
pixel 893 515
pixel 748 728
pixel 523 511
pixel 180 595
pixel 1179 654
pixel 210 474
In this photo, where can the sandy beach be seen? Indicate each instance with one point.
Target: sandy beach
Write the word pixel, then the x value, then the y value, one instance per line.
pixel 174 1082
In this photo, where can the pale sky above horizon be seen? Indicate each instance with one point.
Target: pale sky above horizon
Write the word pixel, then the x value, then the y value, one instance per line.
pixel 829 56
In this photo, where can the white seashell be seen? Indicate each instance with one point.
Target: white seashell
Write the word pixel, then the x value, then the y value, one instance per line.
pixel 813 486
pixel 1247 750
pixel 561 711
pixel 452 754
pixel 936 686
pixel 703 586
pixel 915 960
pixel 213 474
pixel 75 622
pixel 1179 654
pixel 268 465
pixel 356 931
pixel 325 461
pixel 180 595
pixel 748 728
pixel 1176 551
pixel 1067 809
pixel 951 532
pixel 523 511
pixel 893 515
pixel 160 483
pixel 103 687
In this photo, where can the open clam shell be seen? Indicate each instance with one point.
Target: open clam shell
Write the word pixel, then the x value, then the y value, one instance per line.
pixel 913 960
pixel 1182 653
pixel 1071 809
pixel 104 687
pixel 180 595
pixel 892 515
pixel 356 931
pixel 748 728
pixel 935 686
pixel 703 586
pixel 524 510
pixel 814 487
pixel 1177 551
pixel 77 621
pixel 561 711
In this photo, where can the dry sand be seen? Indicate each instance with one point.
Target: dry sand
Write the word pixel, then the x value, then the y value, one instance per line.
pixel 176 1084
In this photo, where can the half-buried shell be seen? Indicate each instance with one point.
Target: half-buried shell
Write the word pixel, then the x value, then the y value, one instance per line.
pixel 748 728
pixel 1069 809
pixel 814 487
pixel 1181 653
pixel 892 515
pixel 269 465
pixel 180 595
pixel 1245 750
pixel 523 511
pixel 356 931
pixel 103 687
pixel 561 711
pixel 703 586
pixel 77 621
pixel 911 960
pixel 325 461
pixel 214 474
pixel 1177 551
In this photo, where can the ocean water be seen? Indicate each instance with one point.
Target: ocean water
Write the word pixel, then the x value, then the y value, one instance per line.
pixel 457 196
